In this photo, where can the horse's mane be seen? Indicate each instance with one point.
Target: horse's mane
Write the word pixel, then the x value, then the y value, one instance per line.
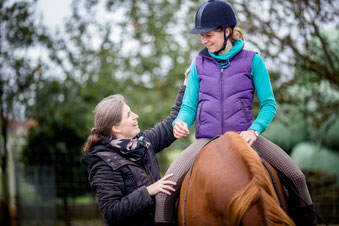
pixel 260 186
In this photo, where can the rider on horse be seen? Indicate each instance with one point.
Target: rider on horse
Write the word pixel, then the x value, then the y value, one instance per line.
pixel 219 95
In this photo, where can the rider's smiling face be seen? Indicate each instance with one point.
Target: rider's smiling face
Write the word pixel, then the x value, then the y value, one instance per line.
pixel 213 40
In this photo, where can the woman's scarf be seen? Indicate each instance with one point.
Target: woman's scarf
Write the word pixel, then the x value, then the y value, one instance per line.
pixel 132 149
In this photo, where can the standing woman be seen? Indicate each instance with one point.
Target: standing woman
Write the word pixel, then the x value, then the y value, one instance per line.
pixel 122 165
pixel 219 96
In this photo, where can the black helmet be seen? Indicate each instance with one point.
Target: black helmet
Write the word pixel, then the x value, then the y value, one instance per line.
pixel 213 14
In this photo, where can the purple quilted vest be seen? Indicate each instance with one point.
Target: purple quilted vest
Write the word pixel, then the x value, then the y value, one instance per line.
pixel 225 95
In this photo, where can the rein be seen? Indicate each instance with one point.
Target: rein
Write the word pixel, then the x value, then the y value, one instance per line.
pixel 185 201
pixel 275 185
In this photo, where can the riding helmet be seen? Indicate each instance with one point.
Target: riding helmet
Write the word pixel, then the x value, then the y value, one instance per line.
pixel 213 14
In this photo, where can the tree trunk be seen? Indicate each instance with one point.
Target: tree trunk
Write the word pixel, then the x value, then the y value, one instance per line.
pixel 5 218
pixel 4 205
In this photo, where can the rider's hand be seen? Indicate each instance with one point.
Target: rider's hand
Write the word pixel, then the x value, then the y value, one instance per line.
pixel 180 130
pixel 249 136
pixel 162 185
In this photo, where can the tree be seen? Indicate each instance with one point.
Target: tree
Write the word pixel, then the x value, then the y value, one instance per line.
pixel 318 98
pixel 19 32
pixel 56 141
pixel 285 29
pixel 144 63
pixel 87 66
pixel 302 55
pixel 141 50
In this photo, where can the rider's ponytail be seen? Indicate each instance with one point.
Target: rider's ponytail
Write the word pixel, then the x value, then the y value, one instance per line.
pixel 237 34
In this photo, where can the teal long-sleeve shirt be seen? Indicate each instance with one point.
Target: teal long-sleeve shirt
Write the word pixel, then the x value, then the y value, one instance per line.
pixel 262 85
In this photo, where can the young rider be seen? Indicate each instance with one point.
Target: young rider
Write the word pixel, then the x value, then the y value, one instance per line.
pixel 219 96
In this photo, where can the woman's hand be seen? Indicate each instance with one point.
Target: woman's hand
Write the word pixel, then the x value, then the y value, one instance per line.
pixel 180 130
pixel 249 136
pixel 162 185
pixel 186 76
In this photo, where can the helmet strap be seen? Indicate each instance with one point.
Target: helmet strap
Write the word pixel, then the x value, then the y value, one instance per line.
pixel 225 42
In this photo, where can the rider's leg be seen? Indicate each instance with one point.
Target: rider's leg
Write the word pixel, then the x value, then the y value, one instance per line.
pixel 282 162
pixel 165 204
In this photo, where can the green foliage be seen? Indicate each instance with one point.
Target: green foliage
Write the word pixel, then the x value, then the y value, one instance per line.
pixel 86 73
pixel 146 64
pixel 310 156
pixel 299 42
pixel 283 30
pixel 310 98
pixel 56 140
pixel 141 49
pixel 19 32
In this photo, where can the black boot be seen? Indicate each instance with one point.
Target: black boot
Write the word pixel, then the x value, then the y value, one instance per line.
pixel 304 216
pixel 165 224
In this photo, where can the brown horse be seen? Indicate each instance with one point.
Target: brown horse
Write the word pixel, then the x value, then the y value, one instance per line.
pixel 229 185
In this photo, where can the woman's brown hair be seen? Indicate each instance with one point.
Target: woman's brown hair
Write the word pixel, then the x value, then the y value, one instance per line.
pixel 107 113
pixel 237 34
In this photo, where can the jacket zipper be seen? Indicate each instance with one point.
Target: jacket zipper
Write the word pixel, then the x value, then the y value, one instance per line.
pixel 243 108
pixel 221 102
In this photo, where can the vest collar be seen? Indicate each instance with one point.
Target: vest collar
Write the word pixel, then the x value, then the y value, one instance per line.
pixel 238 45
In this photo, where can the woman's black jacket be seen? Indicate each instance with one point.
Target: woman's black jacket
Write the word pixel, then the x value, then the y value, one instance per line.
pixel 121 184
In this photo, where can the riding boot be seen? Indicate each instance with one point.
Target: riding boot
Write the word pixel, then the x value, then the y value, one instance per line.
pixel 305 216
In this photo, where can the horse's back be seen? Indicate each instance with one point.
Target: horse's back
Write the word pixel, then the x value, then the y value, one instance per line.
pixel 217 175
pixel 212 164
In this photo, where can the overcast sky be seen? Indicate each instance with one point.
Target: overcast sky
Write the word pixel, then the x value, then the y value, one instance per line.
pixel 53 11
